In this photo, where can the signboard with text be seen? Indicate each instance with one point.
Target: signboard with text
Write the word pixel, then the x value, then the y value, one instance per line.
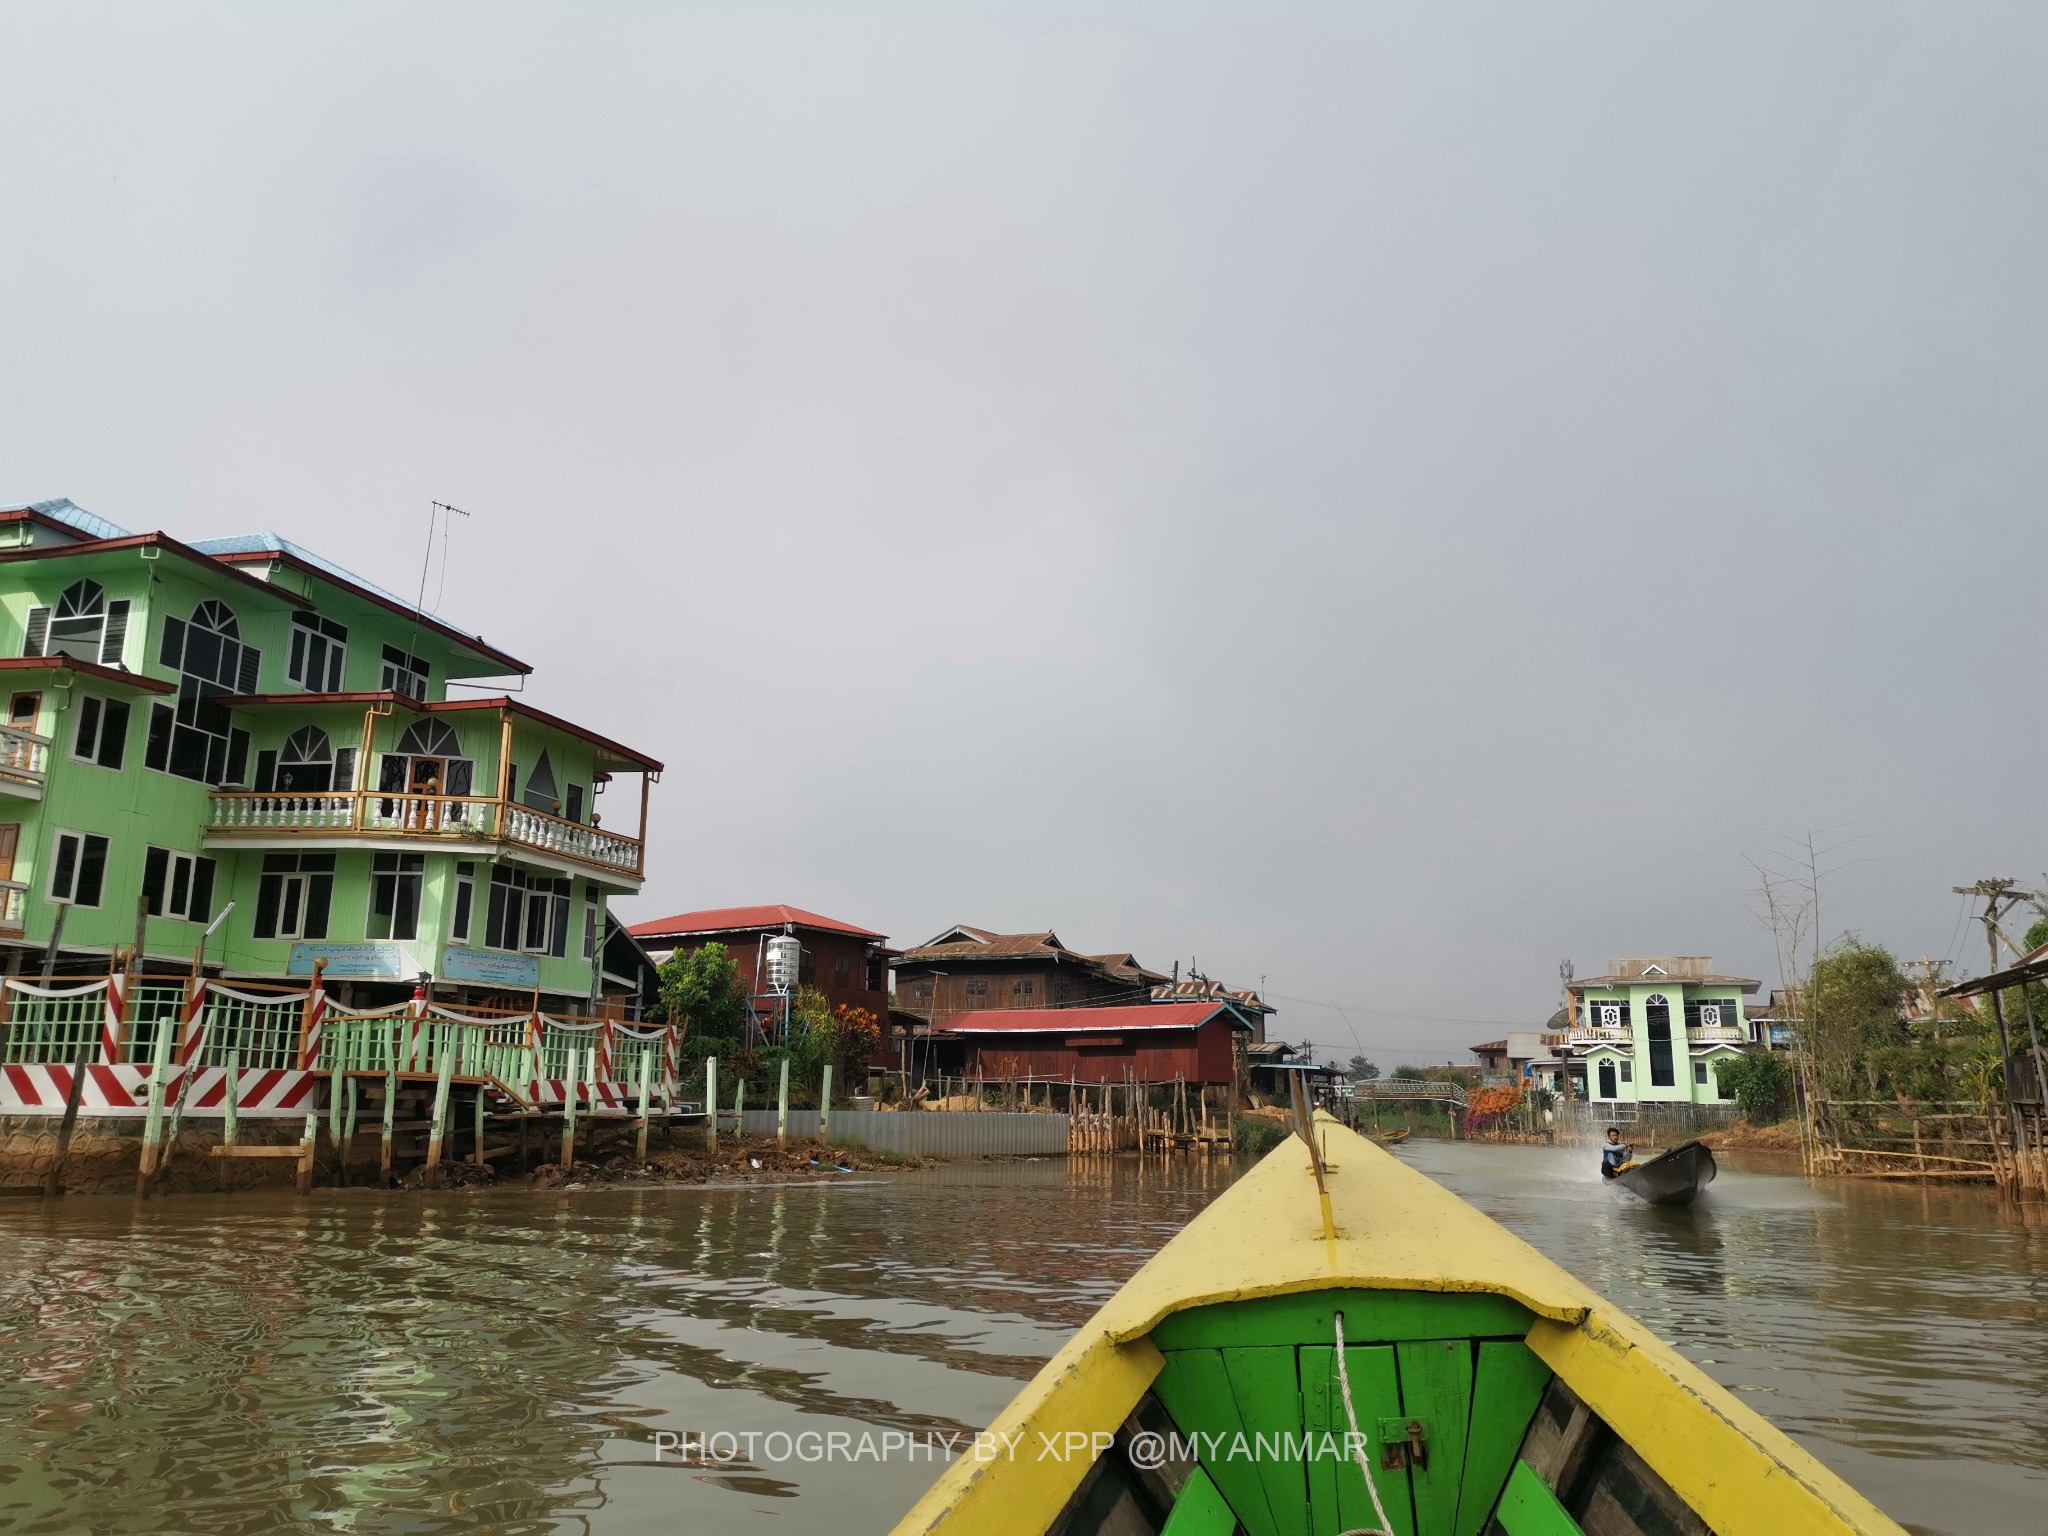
pixel 490 967
pixel 362 962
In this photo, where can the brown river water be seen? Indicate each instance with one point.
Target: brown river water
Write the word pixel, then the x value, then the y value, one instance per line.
pixel 504 1361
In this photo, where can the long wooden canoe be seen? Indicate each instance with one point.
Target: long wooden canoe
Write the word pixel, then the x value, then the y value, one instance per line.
pixel 1671 1178
pixel 1493 1393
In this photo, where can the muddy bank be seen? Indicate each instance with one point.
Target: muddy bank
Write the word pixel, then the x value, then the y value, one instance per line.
pixel 731 1162
pixel 1742 1136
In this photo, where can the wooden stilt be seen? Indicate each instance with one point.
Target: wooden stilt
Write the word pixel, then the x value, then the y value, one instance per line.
pixel 306 1149
pixel 711 1101
pixel 439 1126
pixel 153 1116
pixel 390 1113
pixel 569 1091
pixel 782 1105
pixel 640 1146
pixel 353 1089
pixel 476 1151
pixel 825 1106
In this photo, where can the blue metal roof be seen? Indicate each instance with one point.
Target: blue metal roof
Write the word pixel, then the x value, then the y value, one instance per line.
pixel 273 543
pixel 68 512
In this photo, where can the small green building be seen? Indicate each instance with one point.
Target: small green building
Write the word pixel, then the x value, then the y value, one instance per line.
pixel 1651 1030
pixel 241 723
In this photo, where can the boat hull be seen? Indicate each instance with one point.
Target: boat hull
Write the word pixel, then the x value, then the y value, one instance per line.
pixel 1484 1388
pixel 1674 1178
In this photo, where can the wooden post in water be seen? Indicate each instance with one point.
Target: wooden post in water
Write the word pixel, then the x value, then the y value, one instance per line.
pixel 739 1105
pixel 825 1106
pixel 569 1092
pixel 640 1147
pixel 334 1081
pixel 306 1146
pixel 476 1154
pixel 230 1104
pixel 153 1116
pixel 782 1105
pixel 711 1101
pixel 348 1130
pixel 440 1123
pixel 390 1103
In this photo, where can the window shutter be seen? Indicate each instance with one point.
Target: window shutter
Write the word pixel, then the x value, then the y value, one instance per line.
pixel 238 758
pixel 38 632
pixel 344 768
pixel 201 908
pixel 87 734
pixel 266 771
pixel 157 754
pixel 172 652
pixel 252 669
pixel 116 633
pixel 559 945
pixel 154 862
pixel 319 895
pixel 113 732
pixel 92 870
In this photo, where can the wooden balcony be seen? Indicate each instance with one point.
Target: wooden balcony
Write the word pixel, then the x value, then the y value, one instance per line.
pixel 283 819
pixel 24 763
pixel 1717 1034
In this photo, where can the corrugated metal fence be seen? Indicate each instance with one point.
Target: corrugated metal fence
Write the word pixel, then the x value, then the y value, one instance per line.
pixel 979 1134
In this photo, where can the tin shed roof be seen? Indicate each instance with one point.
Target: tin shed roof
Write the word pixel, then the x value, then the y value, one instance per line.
pixel 1077 1021
pixel 733 919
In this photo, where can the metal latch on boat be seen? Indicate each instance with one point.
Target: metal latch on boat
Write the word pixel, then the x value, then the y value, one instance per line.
pixel 1404 1443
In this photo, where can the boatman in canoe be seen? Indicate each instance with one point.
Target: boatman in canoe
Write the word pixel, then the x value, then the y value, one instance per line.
pixel 1616 1155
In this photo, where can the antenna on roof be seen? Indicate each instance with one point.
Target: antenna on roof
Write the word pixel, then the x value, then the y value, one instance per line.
pixel 435 509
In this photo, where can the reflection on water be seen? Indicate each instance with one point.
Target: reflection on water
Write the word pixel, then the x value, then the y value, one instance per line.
pixel 1896 1330
pixel 504 1361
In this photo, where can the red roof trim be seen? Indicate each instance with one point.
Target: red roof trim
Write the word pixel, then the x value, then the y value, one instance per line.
pixel 456 706
pixel 425 621
pixel 157 541
pixel 90 669
pixel 440 707
pixel 1073 1021
pixel 743 919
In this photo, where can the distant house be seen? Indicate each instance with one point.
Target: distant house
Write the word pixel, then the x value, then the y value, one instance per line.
pixel 1201 989
pixel 1512 1055
pixel 1192 1043
pixel 1770 1024
pixel 975 970
pixel 1651 1030
pixel 848 963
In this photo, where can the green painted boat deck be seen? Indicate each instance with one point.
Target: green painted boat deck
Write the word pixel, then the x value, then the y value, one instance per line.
pixel 1254 1386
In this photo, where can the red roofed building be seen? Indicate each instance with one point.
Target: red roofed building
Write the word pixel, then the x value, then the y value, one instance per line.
pixel 1143 1042
pixel 849 964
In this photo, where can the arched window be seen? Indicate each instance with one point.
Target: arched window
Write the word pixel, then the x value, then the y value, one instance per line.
pixel 218 617
pixel 307 764
pixel 428 761
pixel 541 792
pixel 196 740
pixel 83 626
pixel 429 738
pixel 1657 1025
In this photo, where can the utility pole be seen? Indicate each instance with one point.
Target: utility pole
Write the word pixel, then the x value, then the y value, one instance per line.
pixel 2000 896
pixel 1565 974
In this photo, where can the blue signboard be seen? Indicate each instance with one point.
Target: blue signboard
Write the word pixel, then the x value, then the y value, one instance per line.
pixel 378 962
pixel 490 967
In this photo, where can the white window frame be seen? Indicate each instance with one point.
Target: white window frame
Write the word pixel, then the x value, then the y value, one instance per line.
pixel 191 862
pixel 77 859
pixel 99 730
pixel 306 628
pixel 396 876
pixel 462 912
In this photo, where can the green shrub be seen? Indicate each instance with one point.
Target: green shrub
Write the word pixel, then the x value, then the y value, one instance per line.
pixel 1257 1136
pixel 1759 1082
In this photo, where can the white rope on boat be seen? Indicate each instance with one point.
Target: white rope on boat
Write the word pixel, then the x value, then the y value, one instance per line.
pixel 35 991
pixel 1358 1442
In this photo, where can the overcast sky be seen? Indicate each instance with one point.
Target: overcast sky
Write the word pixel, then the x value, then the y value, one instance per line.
pixel 1378 498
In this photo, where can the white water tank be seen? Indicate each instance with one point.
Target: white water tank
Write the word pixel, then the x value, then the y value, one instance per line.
pixel 784 955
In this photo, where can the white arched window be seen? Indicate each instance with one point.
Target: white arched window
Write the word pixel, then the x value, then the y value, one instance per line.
pixel 83 626
pixel 197 740
pixel 429 761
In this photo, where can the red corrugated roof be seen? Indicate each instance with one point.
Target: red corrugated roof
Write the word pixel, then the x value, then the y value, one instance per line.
pixel 1075 1021
pixel 731 919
